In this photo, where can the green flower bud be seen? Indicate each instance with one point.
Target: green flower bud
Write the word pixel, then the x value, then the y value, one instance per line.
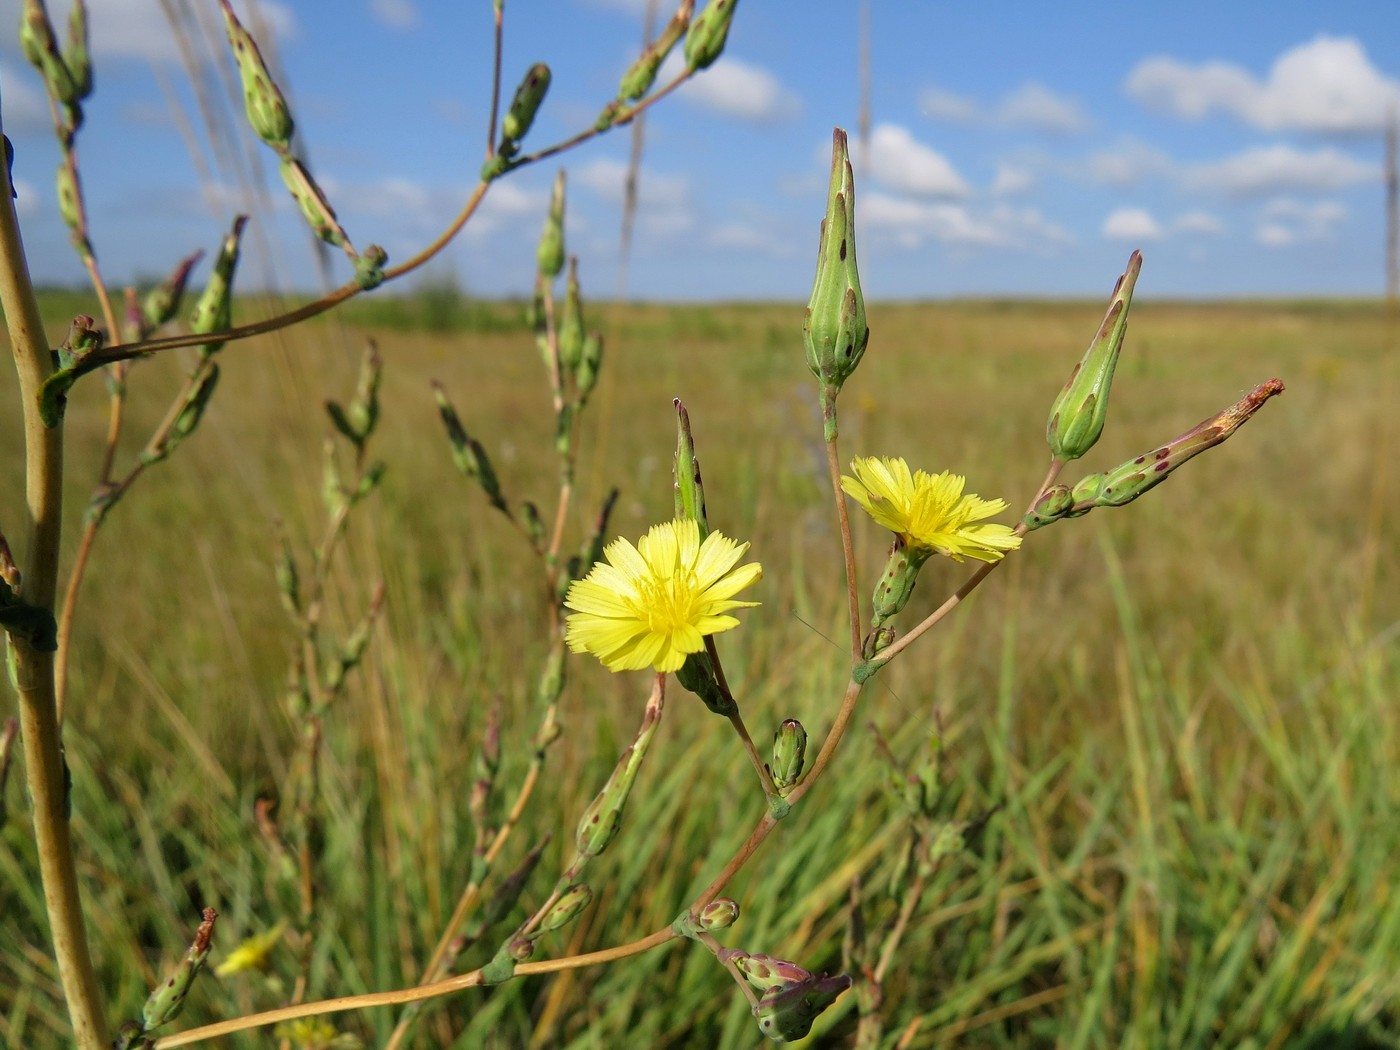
pixel 767 972
pixel 267 109
pixel 467 453
pixel 690 490
pixel 214 310
pixel 40 47
pixel 834 329
pixel 785 1014
pixel 1130 480
pixel 566 909
pixel 70 204
pixel 163 301
pixel 603 816
pixel 1054 503
pixel 1077 416
pixel 168 998
pixel 615 114
pixel 523 107
pixel 697 675
pixel 549 257
pixel 319 215
pixel 369 267
pixel 641 74
pixel 77 55
pixel 1084 494
pixel 705 41
pixel 720 914
pixel 789 754
pixel 896 584
pixel 571 322
pixel 586 378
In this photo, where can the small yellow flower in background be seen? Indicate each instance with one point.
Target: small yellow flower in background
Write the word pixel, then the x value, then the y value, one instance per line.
pixel 929 511
pixel 653 604
pixel 253 954
pixel 315 1033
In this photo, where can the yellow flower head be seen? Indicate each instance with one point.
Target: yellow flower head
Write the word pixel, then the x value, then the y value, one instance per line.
pixel 254 953
pixel 653 604
pixel 929 511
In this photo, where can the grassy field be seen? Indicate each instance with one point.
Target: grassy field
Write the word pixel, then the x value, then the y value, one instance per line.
pixel 1185 709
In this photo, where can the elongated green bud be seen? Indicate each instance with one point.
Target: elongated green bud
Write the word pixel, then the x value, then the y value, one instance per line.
pixel 834 329
pixel 168 998
pixel 705 41
pixel 77 56
pixel 549 256
pixel 70 203
pixel 566 909
pixel 641 74
pixel 40 47
pixel 615 114
pixel 163 301
pixel 895 586
pixel 319 215
pixel 267 109
pixel 1077 416
pixel 1130 480
pixel 571 322
pixel 523 107
pixel 789 754
pixel 690 490
pixel 786 1014
pixel 603 816
pixel 591 360
pixel 214 310
pixel 467 453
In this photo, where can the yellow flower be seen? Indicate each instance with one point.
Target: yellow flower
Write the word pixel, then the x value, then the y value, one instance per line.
pixel 254 953
pixel 653 604
pixel 929 511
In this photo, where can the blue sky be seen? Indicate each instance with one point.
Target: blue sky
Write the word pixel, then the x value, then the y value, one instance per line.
pixel 1017 148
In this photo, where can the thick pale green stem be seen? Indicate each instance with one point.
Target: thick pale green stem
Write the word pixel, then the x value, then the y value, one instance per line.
pixel 43 754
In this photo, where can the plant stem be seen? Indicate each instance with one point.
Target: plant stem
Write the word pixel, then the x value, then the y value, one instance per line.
pixel 34 671
pixel 833 466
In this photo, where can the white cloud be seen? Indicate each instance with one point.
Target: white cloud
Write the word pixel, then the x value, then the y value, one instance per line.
pixel 900 163
pixel 749 238
pixel 396 14
pixel 26 108
pixel 1035 106
pixel 911 223
pixel 1325 85
pixel 1011 180
pixel 1126 163
pixel 1131 224
pixel 664 206
pixel 139 29
pixel 944 105
pixel 737 89
pixel 1286 220
pixel 1198 222
pixel 1279 168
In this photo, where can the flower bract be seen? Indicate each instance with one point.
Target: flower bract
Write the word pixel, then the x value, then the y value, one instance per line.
pixel 653 604
pixel 929 512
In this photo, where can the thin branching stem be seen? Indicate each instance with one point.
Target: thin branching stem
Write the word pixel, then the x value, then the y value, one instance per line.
pixel 848 553
pixel 500 17
pixel 34 670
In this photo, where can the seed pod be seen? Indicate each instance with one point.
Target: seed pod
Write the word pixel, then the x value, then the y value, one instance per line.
pixel 549 256
pixel 603 816
pixel 214 310
pixel 1077 416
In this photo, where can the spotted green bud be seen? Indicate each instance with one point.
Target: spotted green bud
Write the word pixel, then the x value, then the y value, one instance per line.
pixel 641 74
pixel 213 312
pixel 40 47
pixel 70 203
pixel 1130 480
pixel 523 107
pixel 615 114
pixel 549 256
pixel 708 32
pixel 77 56
pixel 1085 494
pixel 468 454
pixel 566 909
pixel 720 914
pixel 603 816
pixel 267 109
pixel 163 301
pixel 1052 505
pixel 690 490
pixel 319 215
pixel 789 754
pixel 834 329
pixel 571 322
pixel 766 972
pixel 894 588
pixel 590 361
pixel 1077 416
pixel 168 998
pixel 786 1014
